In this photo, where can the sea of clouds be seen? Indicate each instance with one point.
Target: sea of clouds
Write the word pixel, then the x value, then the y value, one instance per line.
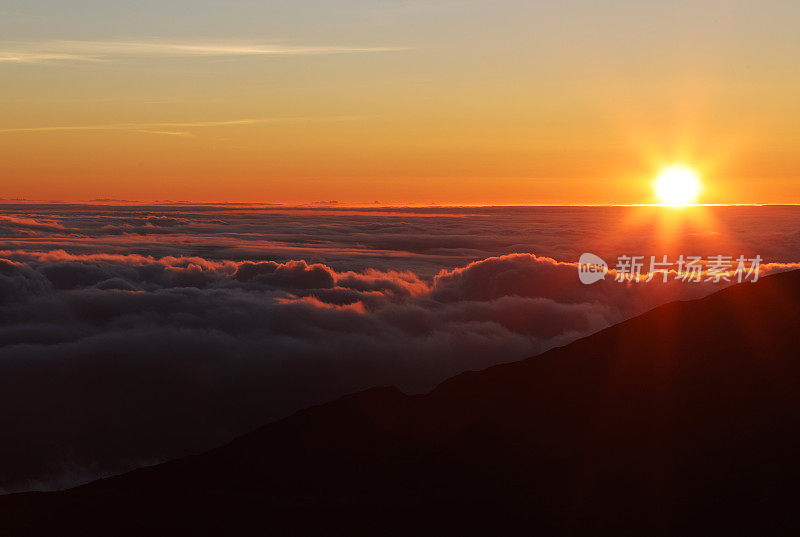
pixel 133 334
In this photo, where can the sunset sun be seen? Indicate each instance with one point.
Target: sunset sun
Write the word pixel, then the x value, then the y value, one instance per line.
pixel 677 185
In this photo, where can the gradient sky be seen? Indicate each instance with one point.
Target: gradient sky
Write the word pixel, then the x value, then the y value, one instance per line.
pixel 449 102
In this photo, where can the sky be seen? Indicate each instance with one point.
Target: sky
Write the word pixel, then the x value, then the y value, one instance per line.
pixel 394 102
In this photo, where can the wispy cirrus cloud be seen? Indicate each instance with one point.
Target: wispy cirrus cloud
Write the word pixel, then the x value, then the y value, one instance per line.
pixel 174 128
pixel 21 56
pixel 103 51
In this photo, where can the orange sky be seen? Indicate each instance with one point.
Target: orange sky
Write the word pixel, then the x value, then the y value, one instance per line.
pixel 482 103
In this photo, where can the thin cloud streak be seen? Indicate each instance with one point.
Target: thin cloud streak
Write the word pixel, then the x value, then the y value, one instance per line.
pixel 42 57
pixel 158 128
pixel 101 51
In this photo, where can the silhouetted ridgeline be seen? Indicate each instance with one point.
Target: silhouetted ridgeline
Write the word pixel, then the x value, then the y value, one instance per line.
pixel 681 421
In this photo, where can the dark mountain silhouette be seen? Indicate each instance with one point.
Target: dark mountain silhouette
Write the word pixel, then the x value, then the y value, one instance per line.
pixel 684 420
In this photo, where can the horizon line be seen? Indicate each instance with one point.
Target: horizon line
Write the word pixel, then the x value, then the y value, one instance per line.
pixel 362 205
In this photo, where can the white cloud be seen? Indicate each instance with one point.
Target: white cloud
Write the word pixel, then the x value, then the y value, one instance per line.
pixel 99 51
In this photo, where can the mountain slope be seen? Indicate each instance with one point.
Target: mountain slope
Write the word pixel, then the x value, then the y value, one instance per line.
pixel 681 421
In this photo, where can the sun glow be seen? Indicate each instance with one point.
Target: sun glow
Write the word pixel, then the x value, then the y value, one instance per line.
pixel 677 185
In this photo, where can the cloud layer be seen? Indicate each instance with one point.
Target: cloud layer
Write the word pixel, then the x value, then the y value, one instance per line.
pixel 129 335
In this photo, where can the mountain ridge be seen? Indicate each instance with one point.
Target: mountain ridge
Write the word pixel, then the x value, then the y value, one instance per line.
pixel 678 421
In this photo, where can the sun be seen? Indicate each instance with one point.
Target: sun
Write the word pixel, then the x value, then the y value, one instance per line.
pixel 678 185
